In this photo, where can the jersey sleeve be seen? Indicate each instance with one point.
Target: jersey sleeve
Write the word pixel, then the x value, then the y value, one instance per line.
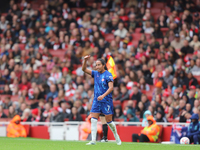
pixel 94 73
pixel 109 77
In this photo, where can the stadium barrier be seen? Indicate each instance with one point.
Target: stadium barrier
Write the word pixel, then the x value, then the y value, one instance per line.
pixel 71 130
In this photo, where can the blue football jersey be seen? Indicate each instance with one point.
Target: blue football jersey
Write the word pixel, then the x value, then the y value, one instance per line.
pixel 101 84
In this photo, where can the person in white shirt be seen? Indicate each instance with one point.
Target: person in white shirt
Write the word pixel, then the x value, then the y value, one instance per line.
pixel 121 31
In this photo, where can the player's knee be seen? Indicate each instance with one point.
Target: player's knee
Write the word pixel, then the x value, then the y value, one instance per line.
pixel 109 120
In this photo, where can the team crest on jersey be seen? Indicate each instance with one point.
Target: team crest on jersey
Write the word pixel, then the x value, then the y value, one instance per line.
pixel 102 80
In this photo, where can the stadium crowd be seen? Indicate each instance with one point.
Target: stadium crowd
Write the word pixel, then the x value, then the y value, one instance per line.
pixel 156 49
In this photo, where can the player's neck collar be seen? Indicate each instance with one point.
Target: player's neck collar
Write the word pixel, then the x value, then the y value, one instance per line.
pixel 102 72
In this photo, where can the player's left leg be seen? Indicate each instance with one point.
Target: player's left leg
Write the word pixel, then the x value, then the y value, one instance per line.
pixel 107 110
pixel 105 128
pixel 113 128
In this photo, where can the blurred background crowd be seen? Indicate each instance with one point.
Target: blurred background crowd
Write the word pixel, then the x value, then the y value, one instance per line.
pixel 155 45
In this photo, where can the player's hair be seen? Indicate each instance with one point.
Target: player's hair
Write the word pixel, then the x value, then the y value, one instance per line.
pixel 102 62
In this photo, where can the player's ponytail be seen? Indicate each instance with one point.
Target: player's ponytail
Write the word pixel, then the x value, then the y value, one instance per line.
pixel 102 62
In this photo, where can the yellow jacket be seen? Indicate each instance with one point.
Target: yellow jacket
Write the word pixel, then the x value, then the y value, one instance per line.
pixel 16 130
pixel 152 131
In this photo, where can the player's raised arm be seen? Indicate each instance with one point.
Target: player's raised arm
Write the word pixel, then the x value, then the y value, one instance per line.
pixel 84 65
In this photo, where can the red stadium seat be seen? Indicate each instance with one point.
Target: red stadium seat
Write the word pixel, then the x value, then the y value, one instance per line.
pixel 22 46
pixel 116 103
pixel 158 4
pixel 79 10
pixel 119 119
pixel 6 112
pixel 136 36
pixel 198 78
pixel 15 98
pixel 57 53
pixel 156 16
pixel 155 10
pixel 135 43
pixel 160 41
pixel 164 30
pixel 5 119
pixel 167 9
pixel 109 37
pixel 84 116
pixel 2 97
pixel 137 30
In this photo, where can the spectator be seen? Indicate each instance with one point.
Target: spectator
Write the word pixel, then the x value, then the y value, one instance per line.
pixel 146 114
pixel 56 116
pixel 53 93
pixel 15 129
pixel 36 77
pixel 168 77
pixel 123 94
pixel 78 105
pixel 195 42
pixel 139 110
pixel 121 31
pixel 159 117
pixel 130 116
pixel 145 101
pixel 118 112
pixel 75 116
pixel 7 90
pixel 149 133
pixel 7 103
pixel 157 32
pixel 177 43
pixel 186 49
pixel 86 129
pixel 11 112
pixel 193 129
pixel 136 94
pixel 2 115
pixel 64 110
pixel 26 116
pixel 196 68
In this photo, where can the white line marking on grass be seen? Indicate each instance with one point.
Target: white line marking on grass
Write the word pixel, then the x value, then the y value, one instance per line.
pixel 158 144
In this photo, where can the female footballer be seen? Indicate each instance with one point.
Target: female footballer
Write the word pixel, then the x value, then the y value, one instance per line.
pixel 102 102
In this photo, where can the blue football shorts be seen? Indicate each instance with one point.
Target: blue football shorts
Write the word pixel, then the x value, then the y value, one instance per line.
pixel 105 108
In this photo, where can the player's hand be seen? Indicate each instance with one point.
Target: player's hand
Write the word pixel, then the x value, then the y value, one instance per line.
pixel 100 97
pixel 86 57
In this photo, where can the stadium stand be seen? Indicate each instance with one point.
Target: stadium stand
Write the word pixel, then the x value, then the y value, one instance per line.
pixel 42 44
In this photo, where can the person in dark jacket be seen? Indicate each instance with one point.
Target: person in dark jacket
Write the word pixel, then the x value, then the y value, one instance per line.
pixel 194 129
pixel 117 112
pixel 2 115
pixel 56 116
pixel 123 95
pixel 75 116
pixel 130 116
pixel 157 32
pixel 136 95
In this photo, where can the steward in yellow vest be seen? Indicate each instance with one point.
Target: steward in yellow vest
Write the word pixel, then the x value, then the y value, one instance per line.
pixel 149 133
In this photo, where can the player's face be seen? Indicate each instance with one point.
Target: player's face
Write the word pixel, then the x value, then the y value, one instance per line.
pixel 99 66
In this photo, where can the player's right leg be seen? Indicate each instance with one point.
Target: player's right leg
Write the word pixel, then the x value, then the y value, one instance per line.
pixel 95 112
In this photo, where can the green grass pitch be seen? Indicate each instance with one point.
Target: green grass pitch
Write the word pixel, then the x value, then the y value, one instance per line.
pixel 39 144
